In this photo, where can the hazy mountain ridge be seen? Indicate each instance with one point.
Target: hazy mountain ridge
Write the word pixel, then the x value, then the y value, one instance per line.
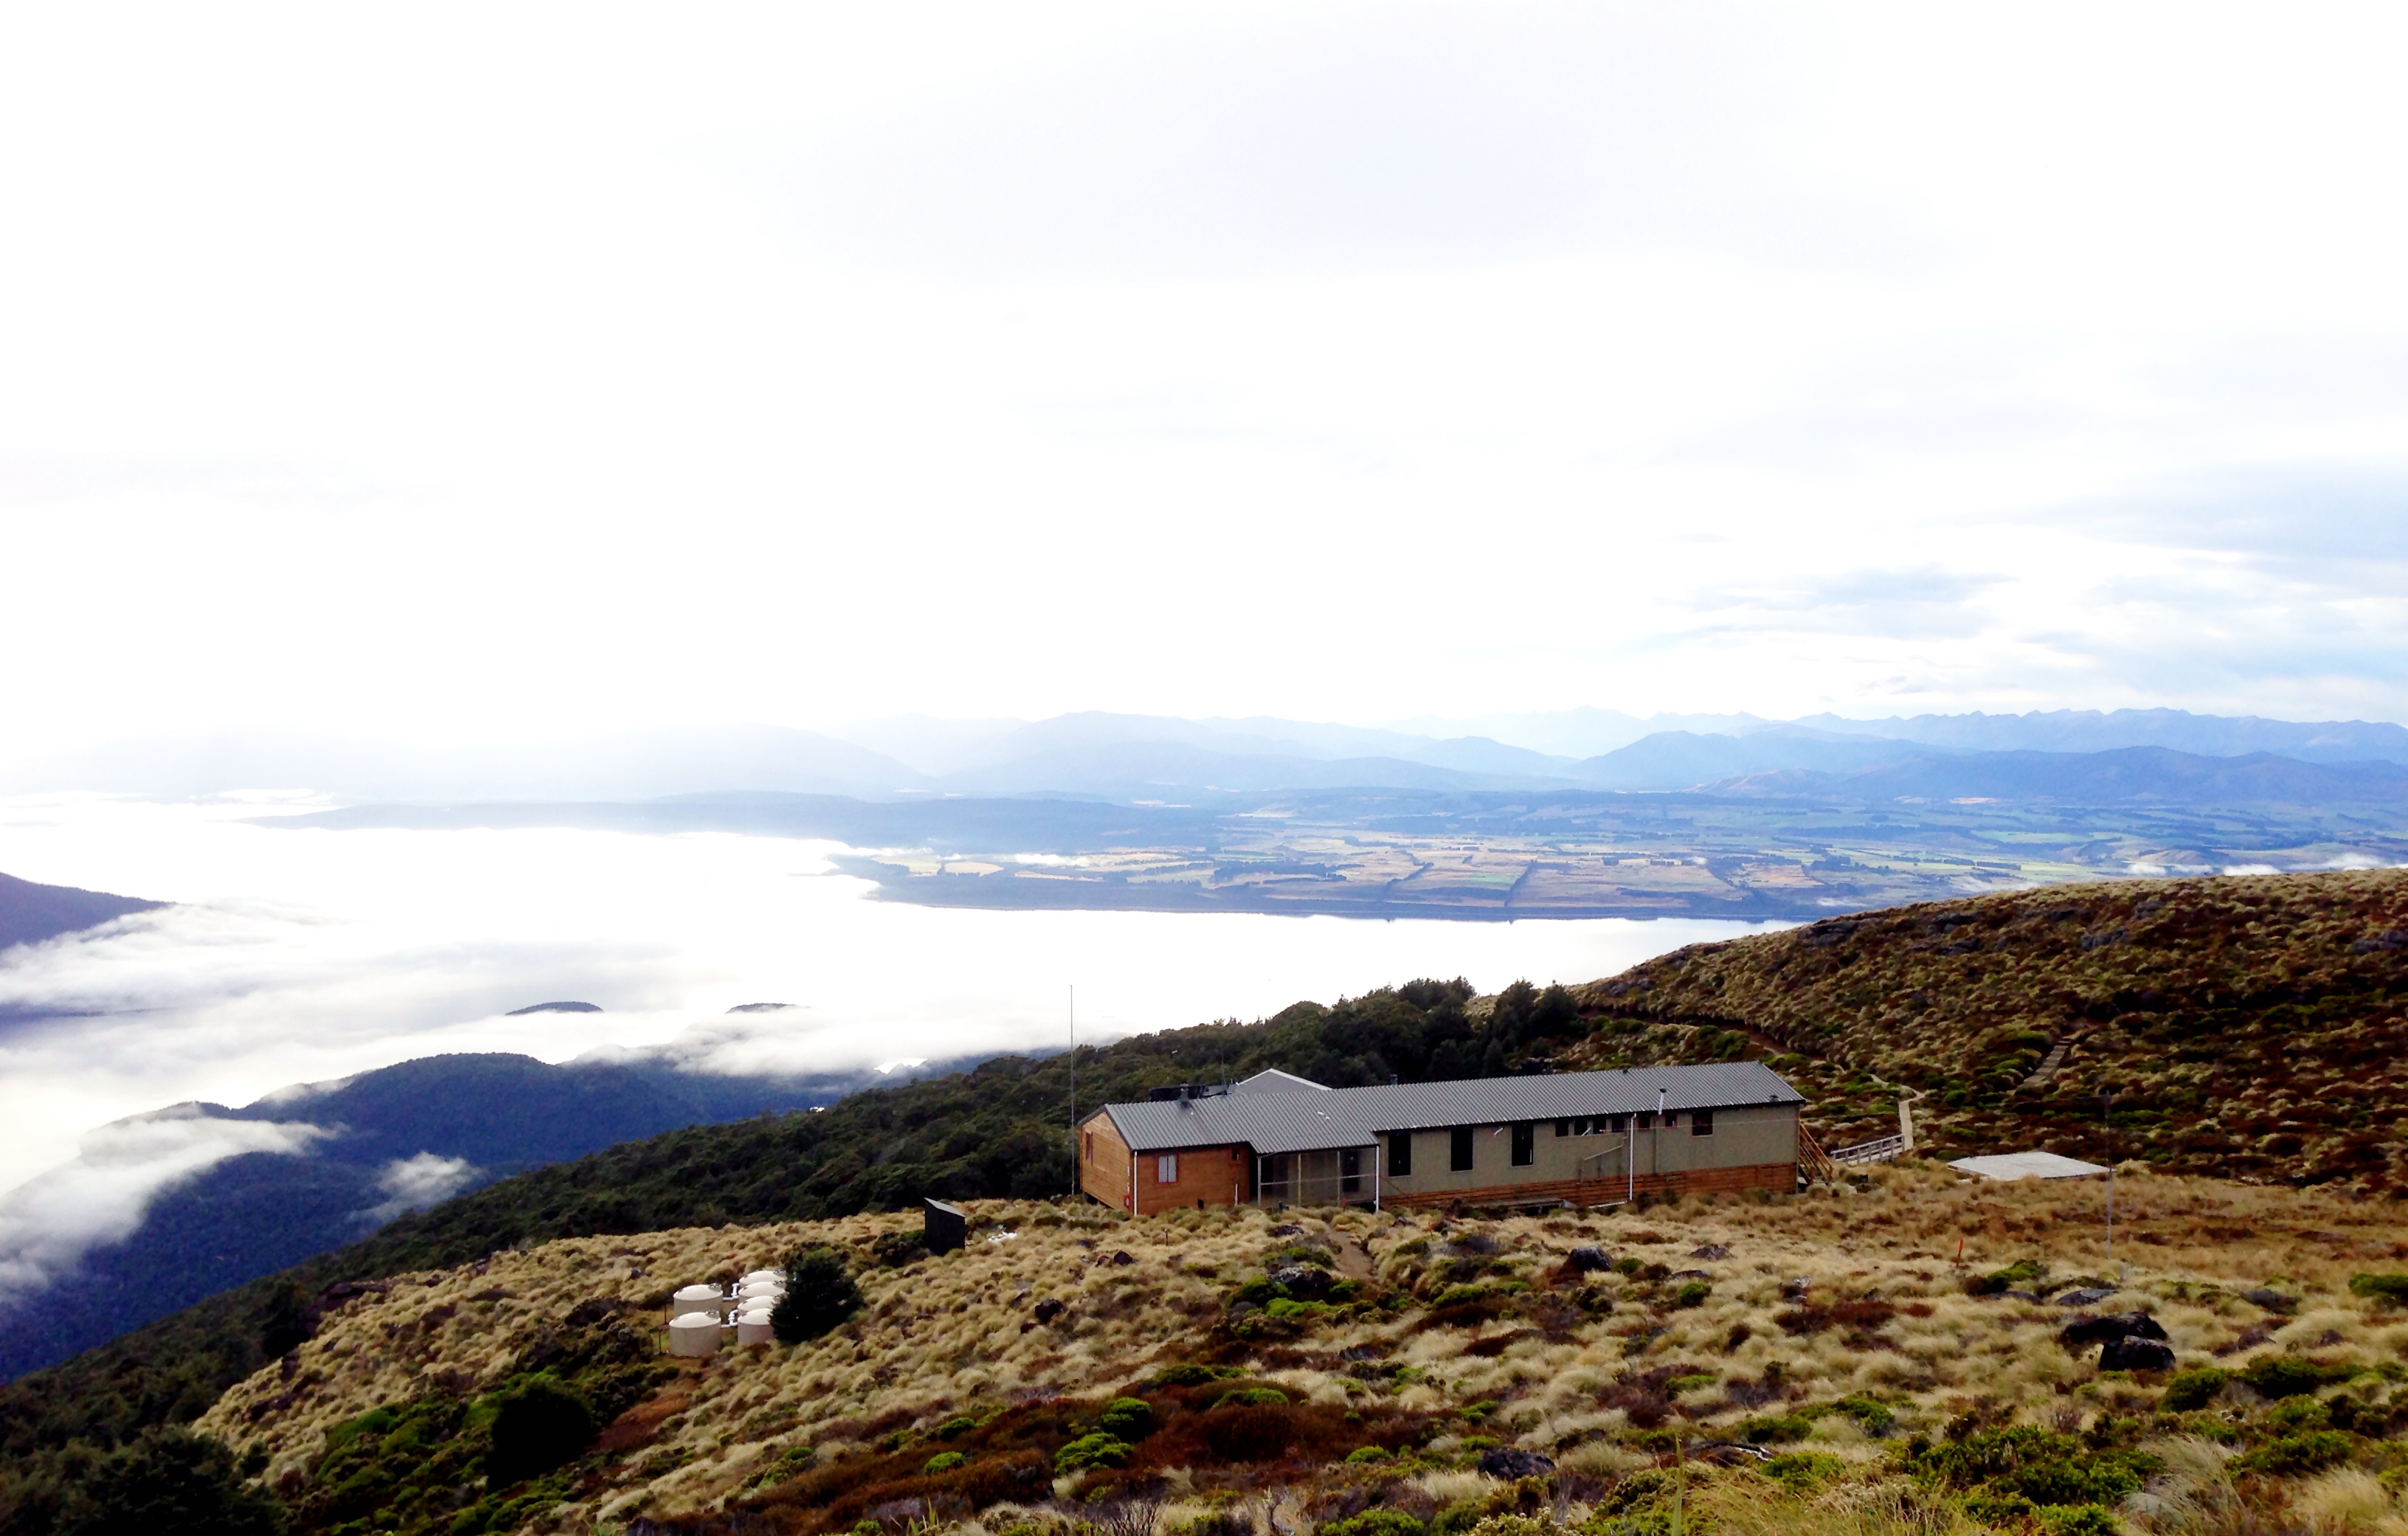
pixel 1135 757
pixel 30 914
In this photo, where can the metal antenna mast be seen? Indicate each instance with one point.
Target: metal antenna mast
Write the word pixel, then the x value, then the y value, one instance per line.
pixel 1074 1091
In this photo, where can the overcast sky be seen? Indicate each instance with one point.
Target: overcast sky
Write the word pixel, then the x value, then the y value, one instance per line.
pixel 469 371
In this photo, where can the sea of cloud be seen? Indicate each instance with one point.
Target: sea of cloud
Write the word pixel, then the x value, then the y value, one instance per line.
pixel 297 956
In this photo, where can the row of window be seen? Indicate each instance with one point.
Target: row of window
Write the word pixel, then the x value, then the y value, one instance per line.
pixel 1524 1149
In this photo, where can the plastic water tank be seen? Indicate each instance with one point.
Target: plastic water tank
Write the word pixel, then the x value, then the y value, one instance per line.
pixel 753 1326
pixel 689 1298
pixel 777 1275
pixel 695 1334
pixel 764 1287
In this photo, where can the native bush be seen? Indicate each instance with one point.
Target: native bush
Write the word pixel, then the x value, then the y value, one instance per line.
pixel 537 1424
pixel 1127 1418
pixel 2193 1390
pixel 2391 1289
pixel 820 1295
pixel 2292 1455
pixel 2288 1376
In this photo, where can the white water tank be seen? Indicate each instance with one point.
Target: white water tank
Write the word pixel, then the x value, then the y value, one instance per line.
pixel 695 1334
pixel 762 1288
pixel 777 1275
pixel 689 1298
pixel 753 1326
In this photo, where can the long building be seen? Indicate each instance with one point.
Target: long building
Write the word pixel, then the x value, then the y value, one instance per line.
pixel 1581 1138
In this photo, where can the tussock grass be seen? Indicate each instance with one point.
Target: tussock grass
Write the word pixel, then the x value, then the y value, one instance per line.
pixel 1824 1301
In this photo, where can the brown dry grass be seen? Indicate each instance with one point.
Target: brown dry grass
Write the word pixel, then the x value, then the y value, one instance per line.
pixel 1883 1312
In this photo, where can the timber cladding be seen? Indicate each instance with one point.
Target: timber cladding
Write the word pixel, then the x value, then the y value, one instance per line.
pixel 1779 1177
pixel 1216 1175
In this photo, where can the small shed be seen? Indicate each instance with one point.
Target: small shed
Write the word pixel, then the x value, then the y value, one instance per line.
pixel 947 1227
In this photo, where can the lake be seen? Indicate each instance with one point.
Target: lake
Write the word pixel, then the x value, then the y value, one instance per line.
pixel 303 955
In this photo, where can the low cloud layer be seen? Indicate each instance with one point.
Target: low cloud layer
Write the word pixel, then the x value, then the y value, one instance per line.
pixel 99 1196
pixel 297 957
pixel 417 1181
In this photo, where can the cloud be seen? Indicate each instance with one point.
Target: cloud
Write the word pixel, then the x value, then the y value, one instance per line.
pixel 417 1181
pixel 100 1196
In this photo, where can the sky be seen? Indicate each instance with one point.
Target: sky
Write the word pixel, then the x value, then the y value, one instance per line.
pixel 460 373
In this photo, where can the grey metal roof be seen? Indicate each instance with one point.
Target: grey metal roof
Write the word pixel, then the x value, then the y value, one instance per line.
pixel 1272 1080
pixel 1303 1121
pixel 1315 1118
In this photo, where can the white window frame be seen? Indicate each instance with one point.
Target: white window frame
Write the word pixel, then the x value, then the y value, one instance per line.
pixel 1165 1168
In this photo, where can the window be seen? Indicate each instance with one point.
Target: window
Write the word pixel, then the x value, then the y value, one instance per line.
pixel 1088 1149
pixel 1400 1155
pixel 1646 1119
pixel 1525 1144
pixel 1672 1119
pixel 1165 1168
pixel 1563 1127
pixel 1622 1125
pixel 1701 1122
pixel 1458 1159
pixel 1581 1127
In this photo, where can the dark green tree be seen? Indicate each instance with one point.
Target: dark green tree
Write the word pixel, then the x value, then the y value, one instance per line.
pixel 168 1480
pixel 819 1293
pixel 538 1425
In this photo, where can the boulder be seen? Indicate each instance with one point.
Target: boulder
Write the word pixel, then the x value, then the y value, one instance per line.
pixel 1588 1259
pixel 1506 1463
pixel 1304 1281
pixel 1049 1309
pixel 1711 1251
pixel 2136 1355
pixel 2085 1331
pixel 2086 1297
pixel 2273 1302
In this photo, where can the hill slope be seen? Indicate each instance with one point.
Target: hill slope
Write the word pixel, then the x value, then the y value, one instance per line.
pixel 30 914
pixel 1451 1361
pixel 2248 1026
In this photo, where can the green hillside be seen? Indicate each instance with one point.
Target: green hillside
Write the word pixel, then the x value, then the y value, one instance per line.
pixel 2248 1027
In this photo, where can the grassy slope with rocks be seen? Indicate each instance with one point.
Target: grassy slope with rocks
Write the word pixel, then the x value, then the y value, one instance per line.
pixel 990 1390
pixel 2249 1027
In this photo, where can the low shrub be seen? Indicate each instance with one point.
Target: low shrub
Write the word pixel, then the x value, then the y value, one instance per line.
pixel 1089 1451
pixel 1694 1294
pixel 1803 1471
pixel 1776 1429
pixel 960 1424
pixel 2391 1289
pixel 1253 1396
pixel 2294 1454
pixel 2193 1390
pixel 1186 1374
pixel 1127 1418
pixel 1364 1455
pixel 2288 1376
pixel 1375 1522
pixel 945 1461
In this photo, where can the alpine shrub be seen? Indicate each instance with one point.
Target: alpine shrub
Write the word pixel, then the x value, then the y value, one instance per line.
pixel 1096 1450
pixel 819 1293
pixel 537 1424
pixel 2193 1390
pixel 1127 1418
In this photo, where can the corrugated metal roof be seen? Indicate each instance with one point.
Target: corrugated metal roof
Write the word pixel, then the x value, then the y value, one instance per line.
pixel 1272 1080
pixel 1303 1121
pixel 1306 1120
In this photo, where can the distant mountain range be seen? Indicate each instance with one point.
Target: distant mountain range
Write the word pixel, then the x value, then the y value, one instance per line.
pixel 1137 758
pixel 397 1140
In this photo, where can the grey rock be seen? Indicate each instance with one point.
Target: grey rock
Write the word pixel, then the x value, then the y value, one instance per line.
pixel 1711 1251
pixel 2274 1301
pixel 2089 1297
pixel 1303 1280
pixel 2136 1355
pixel 1588 1259
pixel 1049 1309
pixel 1507 1463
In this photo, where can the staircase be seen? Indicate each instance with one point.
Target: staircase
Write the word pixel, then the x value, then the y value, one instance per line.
pixel 2048 1064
